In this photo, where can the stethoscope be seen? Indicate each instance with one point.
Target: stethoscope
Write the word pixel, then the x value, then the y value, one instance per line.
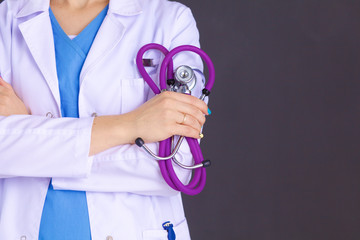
pixel 178 81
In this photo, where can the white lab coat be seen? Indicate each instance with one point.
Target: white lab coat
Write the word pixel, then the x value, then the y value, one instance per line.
pixel 126 194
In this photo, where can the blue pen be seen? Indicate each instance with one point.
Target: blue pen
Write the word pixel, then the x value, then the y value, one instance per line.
pixel 168 226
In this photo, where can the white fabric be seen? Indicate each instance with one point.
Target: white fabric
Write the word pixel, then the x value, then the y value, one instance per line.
pixel 127 196
pixel 72 36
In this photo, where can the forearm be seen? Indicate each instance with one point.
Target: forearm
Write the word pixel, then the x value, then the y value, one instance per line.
pixel 111 131
pixel 61 147
pixel 43 147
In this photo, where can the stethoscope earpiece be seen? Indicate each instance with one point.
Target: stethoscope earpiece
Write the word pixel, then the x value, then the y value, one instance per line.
pixel 140 142
pixel 206 163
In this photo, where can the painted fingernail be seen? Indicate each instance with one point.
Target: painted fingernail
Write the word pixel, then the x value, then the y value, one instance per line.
pixel 209 111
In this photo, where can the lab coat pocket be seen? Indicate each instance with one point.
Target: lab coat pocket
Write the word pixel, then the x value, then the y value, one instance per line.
pixel 134 92
pixel 181 231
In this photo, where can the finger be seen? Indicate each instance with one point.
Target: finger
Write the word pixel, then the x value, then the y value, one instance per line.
pixel 183 130
pixel 201 105
pixel 192 122
pixel 194 101
pixel 192 111
pixel 179 117
pixel 2 82
pixel 4 90
pixel 187 120
pixel 5 84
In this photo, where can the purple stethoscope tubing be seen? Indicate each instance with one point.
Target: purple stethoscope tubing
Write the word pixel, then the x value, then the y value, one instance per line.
pixel 198 180
pixel 140 65
pixel 168 61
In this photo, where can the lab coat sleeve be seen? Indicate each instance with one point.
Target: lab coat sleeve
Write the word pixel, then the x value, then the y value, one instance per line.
pixel 5 40
pixel 128 168
pixel 37 146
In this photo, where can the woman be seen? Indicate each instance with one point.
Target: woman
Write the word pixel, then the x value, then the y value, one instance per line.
pixel 72 103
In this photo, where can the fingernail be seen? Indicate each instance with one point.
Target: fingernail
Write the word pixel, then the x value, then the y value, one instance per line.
pixel 209 111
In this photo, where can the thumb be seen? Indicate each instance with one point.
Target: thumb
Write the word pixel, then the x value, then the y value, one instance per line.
pixel 4 84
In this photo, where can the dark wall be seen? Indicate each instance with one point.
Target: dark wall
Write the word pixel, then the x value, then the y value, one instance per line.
pixel 284 136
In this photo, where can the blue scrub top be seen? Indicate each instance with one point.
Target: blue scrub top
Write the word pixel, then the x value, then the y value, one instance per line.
pixel 65 214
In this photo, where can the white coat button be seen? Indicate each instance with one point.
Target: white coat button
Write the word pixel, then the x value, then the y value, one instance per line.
pixel 50 115
pixel 95 115
pixel 109 238
pixel 23 238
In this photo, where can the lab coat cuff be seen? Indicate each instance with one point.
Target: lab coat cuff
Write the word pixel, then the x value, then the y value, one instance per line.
pixel 83 146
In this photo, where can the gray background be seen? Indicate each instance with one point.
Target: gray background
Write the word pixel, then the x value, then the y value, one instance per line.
pixel 284 134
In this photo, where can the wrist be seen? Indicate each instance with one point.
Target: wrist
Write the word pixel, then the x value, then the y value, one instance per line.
pixel 110 131
pixel 125 128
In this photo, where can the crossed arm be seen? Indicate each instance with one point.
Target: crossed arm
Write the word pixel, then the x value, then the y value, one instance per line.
pixel 158 119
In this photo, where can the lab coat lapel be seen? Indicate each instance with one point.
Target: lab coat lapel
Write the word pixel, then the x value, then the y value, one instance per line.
pixel 38 35
pixel 108 36
pixel 110 32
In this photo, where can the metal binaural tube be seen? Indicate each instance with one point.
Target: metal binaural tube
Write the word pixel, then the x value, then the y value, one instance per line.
pixel 166 157
pixel 200 165
pixel 183 165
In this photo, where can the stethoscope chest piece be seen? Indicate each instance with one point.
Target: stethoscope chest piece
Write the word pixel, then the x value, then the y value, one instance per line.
pixel 185 75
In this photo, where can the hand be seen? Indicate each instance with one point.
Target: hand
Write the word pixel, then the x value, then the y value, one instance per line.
pixel 169 114
pixel 10 103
